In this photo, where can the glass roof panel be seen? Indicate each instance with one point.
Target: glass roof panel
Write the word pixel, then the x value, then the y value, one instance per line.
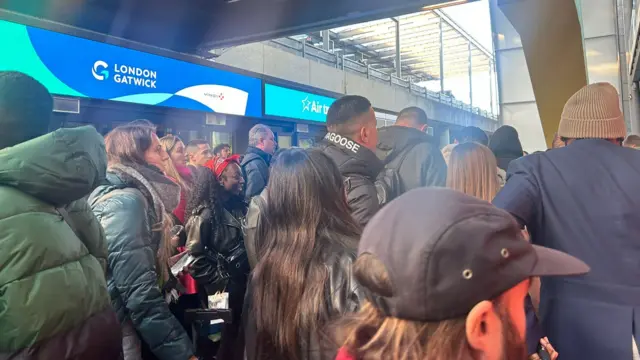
pixel 420 50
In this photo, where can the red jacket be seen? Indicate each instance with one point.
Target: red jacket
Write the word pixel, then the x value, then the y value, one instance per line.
pixel 343 354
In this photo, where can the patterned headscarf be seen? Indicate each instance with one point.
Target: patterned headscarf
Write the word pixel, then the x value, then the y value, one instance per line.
pixel 218 164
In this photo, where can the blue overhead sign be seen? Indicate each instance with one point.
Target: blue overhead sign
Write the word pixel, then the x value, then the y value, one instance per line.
pixel 295 104
pixel 72 66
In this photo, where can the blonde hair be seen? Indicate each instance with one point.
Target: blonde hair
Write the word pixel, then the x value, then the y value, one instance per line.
pixel 473 170
pixel 169 142
pixel 446 152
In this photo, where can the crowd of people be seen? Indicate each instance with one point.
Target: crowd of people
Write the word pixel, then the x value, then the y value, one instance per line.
pixel 374 244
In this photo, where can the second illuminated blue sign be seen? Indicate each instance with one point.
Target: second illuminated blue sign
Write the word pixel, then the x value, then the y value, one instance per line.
pixel 295 104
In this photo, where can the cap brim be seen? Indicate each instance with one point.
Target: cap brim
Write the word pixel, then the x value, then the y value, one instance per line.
pixel 556 263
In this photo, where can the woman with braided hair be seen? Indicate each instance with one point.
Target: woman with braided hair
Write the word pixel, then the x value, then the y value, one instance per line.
pixel 214 212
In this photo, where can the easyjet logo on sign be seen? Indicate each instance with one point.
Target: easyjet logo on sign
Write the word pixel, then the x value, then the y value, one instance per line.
pixel 343 141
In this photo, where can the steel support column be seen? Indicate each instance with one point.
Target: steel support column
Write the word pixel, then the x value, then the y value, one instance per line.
pixel 470 75
pixel 325 40
pixel 441 59
pixel 398 60
pixel 491 65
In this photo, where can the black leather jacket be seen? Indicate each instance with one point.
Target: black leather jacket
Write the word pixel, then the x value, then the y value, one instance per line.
pixel 342 295
pixel 208 247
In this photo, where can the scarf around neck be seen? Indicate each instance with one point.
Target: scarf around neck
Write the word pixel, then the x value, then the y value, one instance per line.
pixel 159 190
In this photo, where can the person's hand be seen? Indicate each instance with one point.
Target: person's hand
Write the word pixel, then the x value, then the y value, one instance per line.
pixel 553 354
pixel 185 271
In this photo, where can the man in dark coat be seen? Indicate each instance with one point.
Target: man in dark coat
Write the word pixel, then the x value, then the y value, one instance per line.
pixel 583 199
pixel 255 163
pixel 351 142
pixel 406 148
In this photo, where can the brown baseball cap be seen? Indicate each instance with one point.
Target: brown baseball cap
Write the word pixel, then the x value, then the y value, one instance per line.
pixel 446 251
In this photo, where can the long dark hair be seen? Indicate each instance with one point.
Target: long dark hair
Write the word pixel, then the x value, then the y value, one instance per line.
pixel 304 220
pixel 126 144
pixel 206 192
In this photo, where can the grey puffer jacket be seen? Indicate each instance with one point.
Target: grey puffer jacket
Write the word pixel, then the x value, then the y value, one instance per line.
pixel 414 155
pixel 132 279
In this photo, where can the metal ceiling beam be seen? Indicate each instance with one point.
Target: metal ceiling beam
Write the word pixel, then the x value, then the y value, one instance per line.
pixel 385 36
pixel 408 40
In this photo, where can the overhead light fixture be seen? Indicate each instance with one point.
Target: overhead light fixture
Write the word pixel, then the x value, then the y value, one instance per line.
pixel 445 4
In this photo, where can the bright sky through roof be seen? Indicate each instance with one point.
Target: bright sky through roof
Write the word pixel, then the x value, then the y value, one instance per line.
pixel 475 19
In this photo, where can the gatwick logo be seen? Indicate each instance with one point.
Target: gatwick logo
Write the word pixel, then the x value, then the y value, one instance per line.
pixel 314 106
pixel 125 74
pixel 100 71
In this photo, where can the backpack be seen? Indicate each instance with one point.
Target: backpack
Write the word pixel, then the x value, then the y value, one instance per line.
pixel 389 184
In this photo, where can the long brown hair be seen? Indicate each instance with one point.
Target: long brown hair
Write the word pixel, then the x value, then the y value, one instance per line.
pixel 126 146
pixel 305 220
pixel 473 170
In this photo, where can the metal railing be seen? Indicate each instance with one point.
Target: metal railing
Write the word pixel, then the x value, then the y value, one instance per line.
pixel 337 61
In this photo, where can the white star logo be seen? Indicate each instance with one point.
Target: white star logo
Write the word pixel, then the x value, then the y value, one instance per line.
pixel 306 104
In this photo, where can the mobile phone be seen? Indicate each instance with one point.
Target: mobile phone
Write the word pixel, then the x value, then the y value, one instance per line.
pixel 542 352
pixel 184 262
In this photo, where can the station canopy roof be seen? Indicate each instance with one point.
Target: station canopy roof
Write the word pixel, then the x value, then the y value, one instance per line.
pixel 191 25
pixel 374 43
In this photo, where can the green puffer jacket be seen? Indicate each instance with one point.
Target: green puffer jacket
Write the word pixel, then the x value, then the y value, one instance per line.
pixel 54 302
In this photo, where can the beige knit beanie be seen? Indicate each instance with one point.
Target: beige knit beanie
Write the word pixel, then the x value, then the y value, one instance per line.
pixel 593 113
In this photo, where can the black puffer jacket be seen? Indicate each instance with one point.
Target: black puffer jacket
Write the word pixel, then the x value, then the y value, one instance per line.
pixel 359 168
pixel 127 217
pixel 255 168
pixel 342 295
pixel 414 155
